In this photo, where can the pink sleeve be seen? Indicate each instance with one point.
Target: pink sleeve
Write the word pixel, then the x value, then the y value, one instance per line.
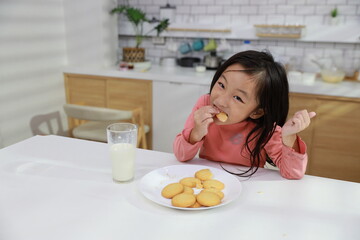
pixel 292 165
pixel 184 150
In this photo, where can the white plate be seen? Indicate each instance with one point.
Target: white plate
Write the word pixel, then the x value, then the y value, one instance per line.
pixel 152 183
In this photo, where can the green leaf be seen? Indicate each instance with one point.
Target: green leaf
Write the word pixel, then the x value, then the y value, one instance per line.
pixel 162 26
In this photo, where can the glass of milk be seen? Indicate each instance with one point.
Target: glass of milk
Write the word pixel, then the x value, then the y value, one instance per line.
pixel 122 140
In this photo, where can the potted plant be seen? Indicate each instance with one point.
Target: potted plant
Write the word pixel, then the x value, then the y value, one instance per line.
pixel 137 18
pixel 334 16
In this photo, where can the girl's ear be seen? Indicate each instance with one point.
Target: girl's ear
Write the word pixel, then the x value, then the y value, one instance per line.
pixel 258 113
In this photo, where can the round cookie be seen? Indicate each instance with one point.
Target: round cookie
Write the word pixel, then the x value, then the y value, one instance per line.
pixel 191 182
pixel 222 116
pixel 172 189
pixel 214 190
pixel 208 199
pixel 213 183
pixel 183 200
pixel 204 174
pixel 188 190
pixel 196 205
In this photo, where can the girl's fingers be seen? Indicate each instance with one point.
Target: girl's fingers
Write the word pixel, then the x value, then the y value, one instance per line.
pixel 312 114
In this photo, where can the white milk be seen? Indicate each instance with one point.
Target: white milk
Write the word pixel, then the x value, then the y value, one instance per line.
pixel 123 161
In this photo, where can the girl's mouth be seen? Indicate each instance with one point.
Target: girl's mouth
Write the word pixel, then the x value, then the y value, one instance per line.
pixel 222 116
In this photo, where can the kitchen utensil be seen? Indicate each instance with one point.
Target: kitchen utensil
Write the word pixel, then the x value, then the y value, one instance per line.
pixel 212 61
pixel 172 46
pixel 168 12
pixel 153 182
pixel 168 61
pixel 122 139
pixel 223 46
pixel 200 67
pixel 188 61
pixel 198 44
pixel 211 46
pixel 332 75
pixel 185 48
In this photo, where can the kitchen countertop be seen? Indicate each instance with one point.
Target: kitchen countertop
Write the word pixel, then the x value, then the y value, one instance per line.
pixel 350 89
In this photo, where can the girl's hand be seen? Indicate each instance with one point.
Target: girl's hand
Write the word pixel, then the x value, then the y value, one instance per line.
pixel 296 124
pixel 202 119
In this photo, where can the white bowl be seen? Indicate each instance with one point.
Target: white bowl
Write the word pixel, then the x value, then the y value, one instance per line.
pixel 142 66
pixel 332 75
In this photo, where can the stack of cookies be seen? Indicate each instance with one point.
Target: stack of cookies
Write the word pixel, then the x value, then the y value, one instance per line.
pixel 182 193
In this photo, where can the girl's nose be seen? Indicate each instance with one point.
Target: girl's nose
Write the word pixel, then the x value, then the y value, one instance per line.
pixel 221 101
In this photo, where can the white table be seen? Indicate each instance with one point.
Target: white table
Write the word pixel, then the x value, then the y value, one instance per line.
pixel 61 188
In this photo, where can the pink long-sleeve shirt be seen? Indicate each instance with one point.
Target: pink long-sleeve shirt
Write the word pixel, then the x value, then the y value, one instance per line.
pixel 225 143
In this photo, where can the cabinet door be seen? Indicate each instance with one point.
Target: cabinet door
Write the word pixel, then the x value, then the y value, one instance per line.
pixel 130 93
pixel 85 90
pixel 299 102
pixel 173 103
pixel 336 140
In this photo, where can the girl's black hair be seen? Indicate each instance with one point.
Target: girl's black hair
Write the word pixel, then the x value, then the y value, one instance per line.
pixel 273 97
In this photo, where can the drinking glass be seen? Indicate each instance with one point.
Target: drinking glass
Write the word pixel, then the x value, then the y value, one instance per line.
pixel 122 139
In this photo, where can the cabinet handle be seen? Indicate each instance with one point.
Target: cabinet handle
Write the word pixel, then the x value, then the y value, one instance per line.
pixel 176 83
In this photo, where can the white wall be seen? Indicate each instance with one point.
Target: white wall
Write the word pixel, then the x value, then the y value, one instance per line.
pixel 32 54
pixel 249 12
pixel 38 39
pixel 91 32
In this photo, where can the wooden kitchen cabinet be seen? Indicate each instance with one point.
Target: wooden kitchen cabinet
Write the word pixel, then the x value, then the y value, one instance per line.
pixel 333 137
pixel 117 93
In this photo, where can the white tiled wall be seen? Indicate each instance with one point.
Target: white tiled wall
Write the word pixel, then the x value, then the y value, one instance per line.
pixel 257 12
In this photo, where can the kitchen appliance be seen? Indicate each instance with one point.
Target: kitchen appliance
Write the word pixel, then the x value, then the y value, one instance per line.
pixel 168 12
pixel 212 61
pixel 188 61
pixel 168 61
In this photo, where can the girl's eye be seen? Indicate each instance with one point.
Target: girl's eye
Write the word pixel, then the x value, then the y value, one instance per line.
pixel 221 85
pixel 237 98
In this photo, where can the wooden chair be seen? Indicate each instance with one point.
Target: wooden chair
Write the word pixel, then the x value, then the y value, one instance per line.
pixel 87 122
pixel 46 124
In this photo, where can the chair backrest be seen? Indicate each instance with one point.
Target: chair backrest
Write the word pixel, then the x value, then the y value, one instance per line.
pixel 49 123
pixel 91 113
pixel 79 114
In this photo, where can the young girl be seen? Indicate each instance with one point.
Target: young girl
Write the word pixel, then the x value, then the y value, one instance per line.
pixel 252 90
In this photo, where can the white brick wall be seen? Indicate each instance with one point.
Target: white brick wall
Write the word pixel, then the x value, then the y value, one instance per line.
pixel 259 12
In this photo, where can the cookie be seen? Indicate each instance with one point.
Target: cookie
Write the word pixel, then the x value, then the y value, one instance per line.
pixel 172 189
pixel 208 199
pixel 216 191
pixel 188 190
pixel 191 182
pixel 222 116
pixel 204 174
pixel 196 205
pixel 213 183
pixel 183 200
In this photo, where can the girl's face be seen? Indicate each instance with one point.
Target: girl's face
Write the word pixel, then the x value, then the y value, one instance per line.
pixel 234 93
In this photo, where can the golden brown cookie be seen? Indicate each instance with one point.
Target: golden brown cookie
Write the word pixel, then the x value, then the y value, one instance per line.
pixel 172 189
pixel 196 205
pixel 204 174
pixel 216 191
pixel 188 190
pixel 222 116
pixel 191 182
pixel 208 199
pixel 183 200
pixel 213 183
